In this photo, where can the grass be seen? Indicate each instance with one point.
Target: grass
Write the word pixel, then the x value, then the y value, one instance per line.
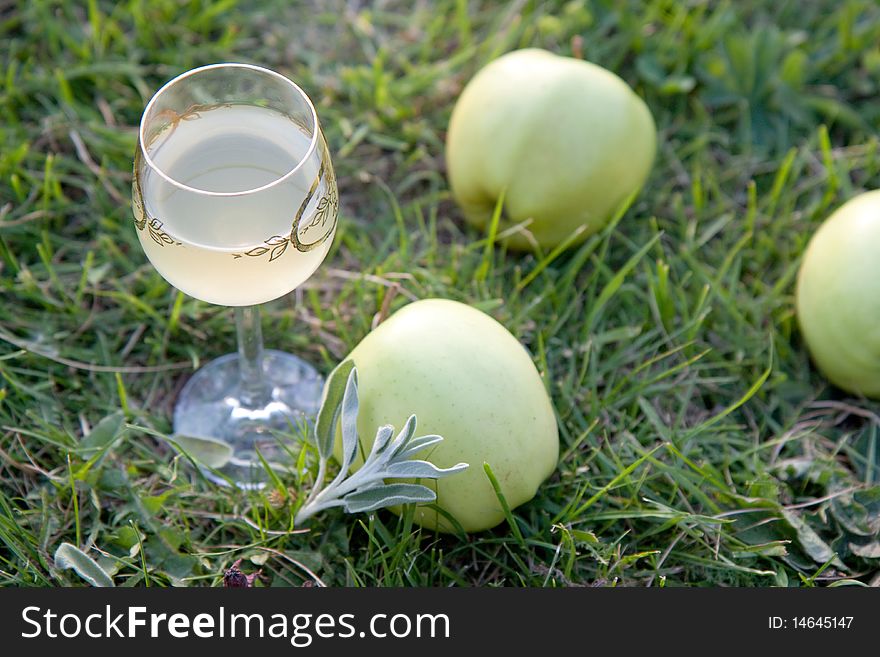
pixel 699 446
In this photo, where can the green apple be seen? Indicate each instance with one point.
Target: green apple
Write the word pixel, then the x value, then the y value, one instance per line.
pixel 566 141
pixel 469 380
pixel 838 296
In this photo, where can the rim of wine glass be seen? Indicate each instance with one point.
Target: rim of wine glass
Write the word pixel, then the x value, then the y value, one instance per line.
pixel 260 69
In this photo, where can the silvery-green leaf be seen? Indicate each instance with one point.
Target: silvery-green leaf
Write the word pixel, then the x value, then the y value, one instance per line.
pixel 349 421
pixel 810 541
pixel 364 490
pixel 387 495
pixel 208 451
pixel 416 469
pixel 866 550
pixel 325 425
pixel 383 435
pixel 402 439
pixel 105 432
pixel 70 556
pixel 416 445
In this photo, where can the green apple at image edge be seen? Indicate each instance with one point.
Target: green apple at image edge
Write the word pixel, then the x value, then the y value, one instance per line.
pixel 838 296
pixel 566 141
pixel 469 380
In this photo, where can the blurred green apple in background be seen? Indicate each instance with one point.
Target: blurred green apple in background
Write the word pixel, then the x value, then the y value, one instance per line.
pixel 565 140
pixel 469 380
pixel 838 296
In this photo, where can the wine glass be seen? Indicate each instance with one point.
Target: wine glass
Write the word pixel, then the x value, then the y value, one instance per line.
pixel 235 203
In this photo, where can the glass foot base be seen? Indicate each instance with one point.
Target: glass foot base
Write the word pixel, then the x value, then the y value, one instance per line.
pixel 210 406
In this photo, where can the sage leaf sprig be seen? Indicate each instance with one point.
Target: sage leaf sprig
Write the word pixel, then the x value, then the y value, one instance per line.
pixel 391 457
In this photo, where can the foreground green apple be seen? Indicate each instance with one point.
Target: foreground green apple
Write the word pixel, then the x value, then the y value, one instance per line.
pixel 838 296
pixel 469 380
pixel 566 141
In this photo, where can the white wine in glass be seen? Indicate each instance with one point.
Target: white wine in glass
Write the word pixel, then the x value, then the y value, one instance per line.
pixel 228 150
pixel 235 203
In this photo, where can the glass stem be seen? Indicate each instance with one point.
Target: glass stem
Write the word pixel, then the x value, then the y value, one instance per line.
pixel 254 390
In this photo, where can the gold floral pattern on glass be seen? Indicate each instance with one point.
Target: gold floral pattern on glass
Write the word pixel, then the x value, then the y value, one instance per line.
pixel 301 236
pixel 142 220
